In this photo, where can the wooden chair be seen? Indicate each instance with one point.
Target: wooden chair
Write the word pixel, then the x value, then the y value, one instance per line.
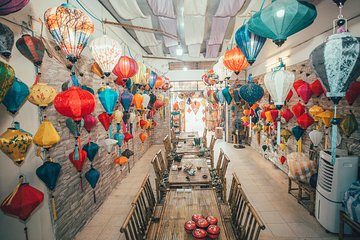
pixel 225 207
pixel 212 145
pixel 219 162
pixel 162 162
pixel 158 175
pixel 173 137
pixel 204 137
pixel 222 175
pixel 131 226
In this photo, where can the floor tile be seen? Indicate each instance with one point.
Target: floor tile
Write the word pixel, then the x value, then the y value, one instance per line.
pixel 281 230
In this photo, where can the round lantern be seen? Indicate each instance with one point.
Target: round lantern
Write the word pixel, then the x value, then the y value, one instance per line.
pixel 212 220
pixel 202 223
pixel 46 136
pixel 41 94
pixel 106 52
pixel 65 23
pixel 6 40
pixel 125 68
pixel 32 48
pixel 235 60
pixel 16 96
pixel 159 82
pixel 7 77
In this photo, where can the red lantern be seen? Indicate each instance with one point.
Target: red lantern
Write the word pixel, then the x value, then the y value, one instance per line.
pixel 235 60
pixel 105 120
pixel 289 96
pixel 158 104
pixel 121 82
pixel 353 93
pixel 305 121
pixel 304 91
pixel 126 68
pixel 287 115
pixel 298 109
pixel 317 88
pixel 143 123
pixel 89 122
pixel 298 83
pixel 274 114
pixel 262 115
pixel 127 137
pixel 154 124
pixel 282 159
pixel 78 164
pixel 74 103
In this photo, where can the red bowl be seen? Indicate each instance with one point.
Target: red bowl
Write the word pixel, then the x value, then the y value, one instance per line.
pixel 199 234
pixel 196 217
pixel 190 226
pixel 202 223
pixel 212 220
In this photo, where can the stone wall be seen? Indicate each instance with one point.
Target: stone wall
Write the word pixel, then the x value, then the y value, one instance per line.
pixel 75 207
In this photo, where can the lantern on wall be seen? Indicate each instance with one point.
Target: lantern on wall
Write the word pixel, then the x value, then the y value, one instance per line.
pixel 289 96
pixel 46 136
pixel 92 176
pixel 235 60
pixel 95 68
pixel 220 97
pixel 7 77
pixel 140 76
pixel 91 150
pixel 305 92
pixel 41 94
pixel 119 137
pixel 143 137
pixel 298 132
pixel 127 137
pixel 316 137
pixel 121 160
pixel 70 28
pixel 315 111
pixel 298 109
pixel 152 79
pixel 125 68
pixel 126 100
pixel 352 93
pixel 298 83
pixel 109 143
pixel 73 127
pixel 105 120
pixel 337 63
pixel 138 101
pixel 316 88
pixel 249 43
pixel 79 163
pixel 106 52
pixel 89 122
pixel 108 98
pixel 286 134
pixel 6 40
pixel 118 116
pixel 349 124
pixel 251 92
pixel 305 121
pixel 281 19
pixel 32 48
pixel 287 115
pixel 279 83
pixel 16 96
pixel 326 117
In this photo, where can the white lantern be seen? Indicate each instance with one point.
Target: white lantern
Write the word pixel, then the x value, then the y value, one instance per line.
pixel 146 100
pixel 106 52
pixel 316 137
pixel 221 70
pixel 132 117
pixel 109 143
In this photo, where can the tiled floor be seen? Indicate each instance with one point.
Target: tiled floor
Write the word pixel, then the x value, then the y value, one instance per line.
pixel 264 184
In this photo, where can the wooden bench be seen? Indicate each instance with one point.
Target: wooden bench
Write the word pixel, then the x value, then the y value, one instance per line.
pixel 344 218
pixel 304 194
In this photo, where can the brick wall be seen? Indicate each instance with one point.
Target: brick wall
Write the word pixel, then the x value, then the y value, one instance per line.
pixel 163 125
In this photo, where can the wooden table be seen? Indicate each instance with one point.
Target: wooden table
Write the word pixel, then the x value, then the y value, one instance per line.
pixel 180 206
pixel 187 136
pixel 187 148
pixel 177 179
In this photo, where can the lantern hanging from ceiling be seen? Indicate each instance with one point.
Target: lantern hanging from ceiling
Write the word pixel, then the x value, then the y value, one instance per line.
pixel 220 97
pixel 92 176
pixel 89 122
pixel 106 52
pixel 337 63
pixel 125 68
pixel 108 98
pixel 281 19
pixel 74 128
pixel 46 136
pixel 286 134
pixel 289 96
pixel 95 68
pixel 287 115
pixel 251 92
pixel 41 94
pixel 159 103
pixel 220 72
pixel 226 93
pixel 138 78
pixel 316 88
pixel 297 84
pixel 152 79
pixel 146 100
pixel 298 109
pixel 91 150
pixel 235 60
pixel 249 43
pixel 126 100
pixel 15 143
pixel 32 48
pixel 305 121
pixel 138 101
pixel 278 83
pixel 159 82
pixel 352 93
pixel 105 120
pixel 314 111
pixel 6 40
pixel 143 137
pixel 349 124
pixel 298 132
pixel 16 96
pixel 7 77
pixel 70 28
pixel 305 92
pixel 316 137
pixel 22 201
pixel 89 89
pixel 78 164
pixel 8 7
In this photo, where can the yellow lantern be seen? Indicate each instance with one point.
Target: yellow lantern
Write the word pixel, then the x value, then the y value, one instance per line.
pixel 314 111
pixel 15 143
pixel 245 119
pixel 118 116
pixel 203 102
pixel 326 117
pixel 257 128
pixel 138 101
pixel 41 94
pixel 95 68
pixel 139 77
pixel 286 134
pixel 264 128
pixel 268 116
pixel 46 136
pixel 145 80
pixel 282 146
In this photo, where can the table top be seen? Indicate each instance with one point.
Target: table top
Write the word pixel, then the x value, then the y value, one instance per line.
pixel 187 148
pixel 180 206
pixel 188 135
pixel 178 177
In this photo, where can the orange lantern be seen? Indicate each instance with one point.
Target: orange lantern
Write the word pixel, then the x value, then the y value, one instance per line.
pixel 159 82
pixel 143 137
pixel 247 112
pixel 235 60
pixel 121 160
pixel 138 101
pixel 126 68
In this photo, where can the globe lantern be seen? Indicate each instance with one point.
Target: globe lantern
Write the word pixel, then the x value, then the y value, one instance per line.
pixel 7 77
pixel 32 48
pixel 70 28
pixel 6 40
pixel 125 68
pixel 281 19
pixel 249 43
pixel 106 52
pixel 235 60
pixel 41 94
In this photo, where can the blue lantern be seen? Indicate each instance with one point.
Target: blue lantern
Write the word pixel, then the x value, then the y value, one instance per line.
pixel 92 176
pixel 220 97
pixel 16 96
pixel 73 127
pixel 128 83
pixel 152 80
pixel 89 89
pixel 249 43
pixel 120 138
pixel 251 92
pixel 91 150
pixel 227 95
pixel 126 100
pixel 108 99
pixel 49 173
pixel 237 97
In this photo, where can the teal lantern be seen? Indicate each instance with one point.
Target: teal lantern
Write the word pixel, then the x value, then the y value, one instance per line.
pixel 120 138
pixel 251 92
pixel 249 43
pixel 16 96
pixel 108 99
pixel 91 150
pixel 89 89
pixel 227 95
pixel 281 19
pixel 73 127
pixel 92 176
pixel 220 97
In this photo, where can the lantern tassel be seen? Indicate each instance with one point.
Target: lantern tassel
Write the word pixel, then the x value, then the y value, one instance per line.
pixel 53 207
pixel 26 233
pixel 76 152
pixel 334 137
pixel 8 200
pixel 299 144
pixel 94 195
pixel 74 79
pixel 110 131
pixel 250 126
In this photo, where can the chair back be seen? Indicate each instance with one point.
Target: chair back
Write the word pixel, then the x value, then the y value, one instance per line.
pixel 224 167
pixel 204 137
pixel 162 162
pixel 156 166
pixel 131 226
pixel 167 144
pixel 219 162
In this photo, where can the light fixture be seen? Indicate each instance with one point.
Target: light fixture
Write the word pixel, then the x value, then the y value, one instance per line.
pixel 185 68
pixel 179 51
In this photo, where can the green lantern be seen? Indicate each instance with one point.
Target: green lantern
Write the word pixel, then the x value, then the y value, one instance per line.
pixel 7 76
pixel 281 19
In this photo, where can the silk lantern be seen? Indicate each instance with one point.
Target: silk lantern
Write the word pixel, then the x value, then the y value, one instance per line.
pixel 304 91
pixel 16 96
pixel 298 131
pixel 287 115
pixel 305 121
pixel 249 43
pixel 78 163
pixel 89 122
pixel 127 153
pixel 279 83
pixel 7 77
pixel 126 117
pixel 326 117
pixel 289 96
pixel 126 100
pixel 298 109
pixel 125 68
pixel 227 95
pixel 282 146
pixel 337 63
pixel 281 19
pixel 138 78
pixel 316 88
pixel 109 143
pixel 235 60
pixel 315 111
pixel 42 95
pixel 89 89
pixel 152 79
pixel 95 68
pixel 286 134
pixel 127 137
pixel 143 137
pixel 119 137
pixel 146 100
pixel 352 93
pixel 118 116
pixel 15 143
pixel 32 48
pixel 22 201
pixel 121 160
pixel 106 52
pixel 158 104
pixel 91 150
pixel 6 40
pixel 92 176
pixel 159 82
pixel 8 7
pixel 251 92
pixel 282 159
pixel 349 124
pixel 220 97
pixel 316 137
pixel 74 127
pixel 108 98
pixel 297 84
pixel 46 136
pixel 138 101
pixel 70 28
pixel 105 120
